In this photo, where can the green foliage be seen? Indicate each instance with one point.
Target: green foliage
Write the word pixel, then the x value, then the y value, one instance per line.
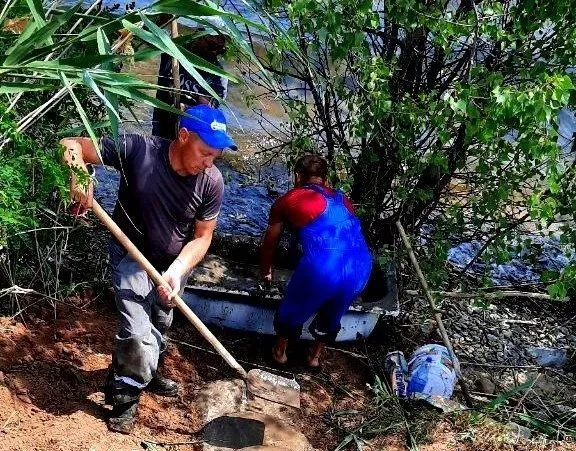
pixel 39 59
pixel 438 114
pixel 28 177
pixel 61 73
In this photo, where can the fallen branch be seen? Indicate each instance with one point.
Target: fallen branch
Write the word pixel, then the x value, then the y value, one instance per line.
pixel 151 445
pixel 436 313
pixel 520 321
pixel 15 289
pixel 490 295
pixel 526 393
pixel 350 353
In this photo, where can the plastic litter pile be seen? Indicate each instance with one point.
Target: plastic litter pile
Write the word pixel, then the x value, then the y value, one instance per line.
pixel 525 265
pixel 429 375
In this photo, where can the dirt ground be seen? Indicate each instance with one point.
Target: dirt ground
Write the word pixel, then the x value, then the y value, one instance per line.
pixel 53 362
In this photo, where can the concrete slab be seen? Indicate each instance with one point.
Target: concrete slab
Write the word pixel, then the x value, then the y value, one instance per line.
pixel 235 421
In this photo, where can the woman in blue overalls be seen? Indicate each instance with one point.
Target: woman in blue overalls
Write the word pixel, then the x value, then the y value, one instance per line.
pixel 335 265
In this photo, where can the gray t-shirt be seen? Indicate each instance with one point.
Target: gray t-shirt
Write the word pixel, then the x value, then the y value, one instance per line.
pixel 156 207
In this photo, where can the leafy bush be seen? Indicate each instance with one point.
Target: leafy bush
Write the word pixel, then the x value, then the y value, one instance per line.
pixel 443 115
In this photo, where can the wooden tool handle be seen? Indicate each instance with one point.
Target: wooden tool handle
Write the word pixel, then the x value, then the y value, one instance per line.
pixel 159 281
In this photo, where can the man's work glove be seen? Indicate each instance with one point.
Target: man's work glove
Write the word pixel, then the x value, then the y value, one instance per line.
pixel 173 276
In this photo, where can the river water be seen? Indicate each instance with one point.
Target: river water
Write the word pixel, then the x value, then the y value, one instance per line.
pixel 234 6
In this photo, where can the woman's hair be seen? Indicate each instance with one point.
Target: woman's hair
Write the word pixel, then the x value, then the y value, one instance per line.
pixel 311 166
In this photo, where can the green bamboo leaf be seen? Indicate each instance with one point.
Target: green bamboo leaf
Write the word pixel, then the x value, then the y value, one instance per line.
pixel 16 88
pixel 37 11
pixel 146 54
pixel 120 79
pixel 239 40
pixel 504 397
pixel 206 66
pixel 201 63
pixel 158 38
pixel 114 121
pixel 93 60
pixel 26 34
pixel 90 33
pixel 6 9
pixel 49 67
pixel 189 8
pixel 89 81
pixel 104 48
pixel 134 115
pixel 165 43
pixel 151 53
pixel 43 34
pixel 197 10
pixel 42 76
pixel 81 112
pixel 139 96
pixel 28 31
pixel 546 427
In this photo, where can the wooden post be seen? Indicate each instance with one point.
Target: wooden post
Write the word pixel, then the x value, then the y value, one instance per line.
pixel 176 74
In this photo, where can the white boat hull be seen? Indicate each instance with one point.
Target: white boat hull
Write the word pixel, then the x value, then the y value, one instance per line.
pixel 232 314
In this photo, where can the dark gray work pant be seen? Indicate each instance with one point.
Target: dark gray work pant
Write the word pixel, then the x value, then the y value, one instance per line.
pixel 143 321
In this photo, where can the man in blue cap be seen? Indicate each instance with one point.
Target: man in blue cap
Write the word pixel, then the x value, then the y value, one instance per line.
pixel 168 201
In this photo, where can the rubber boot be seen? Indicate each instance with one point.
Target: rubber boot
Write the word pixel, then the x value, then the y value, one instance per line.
pixel 161 385
pixel 124 408
pixel 314 353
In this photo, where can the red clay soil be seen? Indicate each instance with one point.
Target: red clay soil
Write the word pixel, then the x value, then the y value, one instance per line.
pixel 50 386
pixel 52 369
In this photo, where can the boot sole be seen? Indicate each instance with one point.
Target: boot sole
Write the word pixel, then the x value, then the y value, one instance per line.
pixel 166 394
pixel 125 428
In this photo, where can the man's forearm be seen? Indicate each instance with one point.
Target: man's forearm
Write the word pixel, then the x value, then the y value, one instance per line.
pixel 194 252
pixel 188 258
pixel 81 184
pixel 80 151
pixel 268 250
pixel 266 258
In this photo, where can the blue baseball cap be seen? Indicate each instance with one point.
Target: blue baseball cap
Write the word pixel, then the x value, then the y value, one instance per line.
pixel 210 124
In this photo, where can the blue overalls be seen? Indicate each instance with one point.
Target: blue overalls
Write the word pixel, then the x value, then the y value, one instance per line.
pixel 332 272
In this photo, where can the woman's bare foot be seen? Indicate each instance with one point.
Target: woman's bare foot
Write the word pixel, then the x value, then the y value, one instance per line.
pixel 279 350
pixel 314 354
